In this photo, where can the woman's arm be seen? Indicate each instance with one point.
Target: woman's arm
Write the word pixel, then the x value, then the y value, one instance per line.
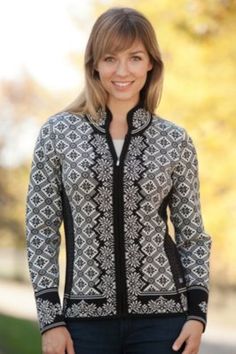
pixel 43 219
pixel 193 243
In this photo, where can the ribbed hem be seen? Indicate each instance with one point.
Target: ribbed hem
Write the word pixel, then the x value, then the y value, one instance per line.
pixel 54 325
pixel 49 309
pixel 197 304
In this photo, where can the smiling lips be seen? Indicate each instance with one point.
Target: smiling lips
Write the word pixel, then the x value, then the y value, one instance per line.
pixel 122 83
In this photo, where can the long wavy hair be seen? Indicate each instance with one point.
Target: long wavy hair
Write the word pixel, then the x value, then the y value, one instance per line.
pixel 115 30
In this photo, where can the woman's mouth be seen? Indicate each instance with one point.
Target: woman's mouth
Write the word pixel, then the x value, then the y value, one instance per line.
pixel 122 84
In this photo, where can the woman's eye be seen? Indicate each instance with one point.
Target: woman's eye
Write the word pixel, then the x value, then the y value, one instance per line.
pixel 112 59
pixel 109 59
pixel 137 58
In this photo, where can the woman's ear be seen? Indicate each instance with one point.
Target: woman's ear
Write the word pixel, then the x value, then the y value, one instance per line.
pixel 150 66
pixel 95 73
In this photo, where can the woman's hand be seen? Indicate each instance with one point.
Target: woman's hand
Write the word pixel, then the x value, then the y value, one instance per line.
pixel 191 336
pixel 57 341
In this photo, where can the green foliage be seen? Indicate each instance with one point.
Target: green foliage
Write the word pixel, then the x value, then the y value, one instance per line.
pixel 18 336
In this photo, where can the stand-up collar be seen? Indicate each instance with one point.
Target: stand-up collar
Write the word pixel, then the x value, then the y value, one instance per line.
pixel 137 118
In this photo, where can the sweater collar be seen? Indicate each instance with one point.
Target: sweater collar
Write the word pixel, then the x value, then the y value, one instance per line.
pixel 137 118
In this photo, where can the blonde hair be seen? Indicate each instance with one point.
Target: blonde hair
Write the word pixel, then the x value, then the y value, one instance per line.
pixel 115 30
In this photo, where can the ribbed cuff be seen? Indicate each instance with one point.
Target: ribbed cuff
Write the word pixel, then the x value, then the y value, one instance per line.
pixel 49 309
pixel 197 304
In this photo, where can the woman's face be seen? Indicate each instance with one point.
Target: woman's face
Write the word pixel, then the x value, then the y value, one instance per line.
pixel 124 74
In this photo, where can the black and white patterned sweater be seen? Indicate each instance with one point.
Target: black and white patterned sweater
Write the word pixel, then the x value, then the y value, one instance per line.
pixel 121 259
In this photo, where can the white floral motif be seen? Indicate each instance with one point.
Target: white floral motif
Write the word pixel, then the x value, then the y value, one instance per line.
pixel 134 283
pixel 203 306
pixel 136 146
pixel 162 305
pixel 84 309
pixel 139 118
pixel 47 311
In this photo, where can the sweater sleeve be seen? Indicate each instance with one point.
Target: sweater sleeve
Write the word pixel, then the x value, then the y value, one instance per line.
pixel 43 220
pixel 192 242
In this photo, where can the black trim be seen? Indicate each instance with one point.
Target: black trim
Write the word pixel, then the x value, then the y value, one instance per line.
pixel 69 238
pixel 118 215
pixel 175 263
pixel 162 211
pixel 172 253
pixel 119 258
pixel 122 296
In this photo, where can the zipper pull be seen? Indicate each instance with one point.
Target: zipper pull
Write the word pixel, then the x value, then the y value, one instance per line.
pixel 117 162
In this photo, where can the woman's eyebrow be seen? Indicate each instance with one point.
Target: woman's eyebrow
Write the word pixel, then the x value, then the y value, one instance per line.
pixel 137 51
pixel 131 53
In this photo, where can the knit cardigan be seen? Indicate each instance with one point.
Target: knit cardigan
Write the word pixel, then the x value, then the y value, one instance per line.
pixel 121 259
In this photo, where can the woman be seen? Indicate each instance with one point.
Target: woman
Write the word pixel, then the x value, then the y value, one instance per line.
pixel 109 167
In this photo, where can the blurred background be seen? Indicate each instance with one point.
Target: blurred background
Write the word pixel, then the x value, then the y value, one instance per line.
pixel 41 71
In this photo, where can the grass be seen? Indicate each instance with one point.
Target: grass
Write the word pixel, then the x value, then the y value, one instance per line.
pixel 19 336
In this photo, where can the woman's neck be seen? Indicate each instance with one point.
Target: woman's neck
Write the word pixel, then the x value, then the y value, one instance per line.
pixel 119 109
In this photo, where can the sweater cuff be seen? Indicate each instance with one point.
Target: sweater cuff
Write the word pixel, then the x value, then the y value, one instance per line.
pixel 197 304
pixel 49 309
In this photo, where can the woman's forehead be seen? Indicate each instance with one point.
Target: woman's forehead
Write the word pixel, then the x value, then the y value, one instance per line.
pixel 129 45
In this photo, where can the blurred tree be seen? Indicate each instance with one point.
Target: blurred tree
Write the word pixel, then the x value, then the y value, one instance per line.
pixel 196 39
pixel 18 100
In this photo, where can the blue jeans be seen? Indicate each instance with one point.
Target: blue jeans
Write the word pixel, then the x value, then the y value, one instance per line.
pixel 126 336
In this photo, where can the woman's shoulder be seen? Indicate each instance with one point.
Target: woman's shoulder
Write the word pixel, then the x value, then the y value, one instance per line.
pixel 64 116
pixel 61 119
pixel 169 127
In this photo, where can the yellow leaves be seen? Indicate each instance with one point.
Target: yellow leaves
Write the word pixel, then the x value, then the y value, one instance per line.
pixel 196 40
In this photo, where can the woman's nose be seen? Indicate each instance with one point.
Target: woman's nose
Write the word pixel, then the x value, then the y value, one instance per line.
pixel 122 68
